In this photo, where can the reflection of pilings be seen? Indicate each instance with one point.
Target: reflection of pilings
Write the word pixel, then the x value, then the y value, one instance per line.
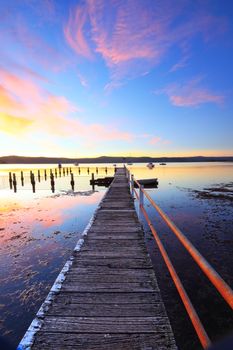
pixel 60 172
pixel 14 183
pixel 39 175
pixel 93 181
pixel 22 179
pixel 45 175
pixel 33 181
pixel 10 181
pixel 72 181
pixel 52 182
pixel 55 172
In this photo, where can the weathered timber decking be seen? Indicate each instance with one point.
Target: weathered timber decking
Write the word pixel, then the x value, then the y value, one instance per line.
pixel 109 299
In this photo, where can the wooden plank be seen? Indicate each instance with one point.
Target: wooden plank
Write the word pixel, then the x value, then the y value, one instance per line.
pixel 106 310
pixel 99 271
pixel 125 263
pixel 109 297
pixel 123 341
pixel 106 324
pixel 72 286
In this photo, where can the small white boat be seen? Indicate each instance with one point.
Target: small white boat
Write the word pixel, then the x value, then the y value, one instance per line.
pixel 150 165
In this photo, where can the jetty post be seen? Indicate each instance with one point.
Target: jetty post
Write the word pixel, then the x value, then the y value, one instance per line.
pixel 22 178
pixel 10 180
pixel 14 182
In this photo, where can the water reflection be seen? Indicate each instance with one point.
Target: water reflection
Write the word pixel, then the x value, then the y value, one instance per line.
pixel 38 231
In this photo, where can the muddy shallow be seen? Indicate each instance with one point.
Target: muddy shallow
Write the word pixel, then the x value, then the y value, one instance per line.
pixel 39 230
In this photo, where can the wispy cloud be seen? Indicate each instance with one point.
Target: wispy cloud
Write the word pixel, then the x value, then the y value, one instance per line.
pixel 191 94
pixel 33 108
pixel 132 38
pixel 74 32
pixel 155 140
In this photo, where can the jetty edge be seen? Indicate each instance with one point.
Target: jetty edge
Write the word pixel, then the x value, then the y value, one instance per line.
pixel 106 296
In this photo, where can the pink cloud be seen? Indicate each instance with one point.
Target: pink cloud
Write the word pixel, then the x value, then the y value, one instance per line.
pixel 158 140
pixel 191 94
pixel 74 32
pixel 25 103
pixel 132 38
pixel 154 140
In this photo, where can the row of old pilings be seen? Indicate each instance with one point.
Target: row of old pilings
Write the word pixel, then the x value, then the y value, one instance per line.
pixel 52 175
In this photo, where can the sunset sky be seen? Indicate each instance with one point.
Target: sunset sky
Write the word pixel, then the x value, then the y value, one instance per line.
pixel 116 77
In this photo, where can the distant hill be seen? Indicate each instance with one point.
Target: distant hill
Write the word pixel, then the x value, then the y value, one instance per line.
pixel 108 159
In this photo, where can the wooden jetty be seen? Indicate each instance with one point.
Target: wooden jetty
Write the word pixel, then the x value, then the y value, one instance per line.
pixel 107 296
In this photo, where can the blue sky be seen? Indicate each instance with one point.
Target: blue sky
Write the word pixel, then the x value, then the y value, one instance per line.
pixel 116 77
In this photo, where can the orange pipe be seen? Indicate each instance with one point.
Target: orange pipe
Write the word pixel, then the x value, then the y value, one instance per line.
pixel 201 333
pixel 223 288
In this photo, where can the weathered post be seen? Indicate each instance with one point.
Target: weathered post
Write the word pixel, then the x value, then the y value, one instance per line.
pixel 64 171
pixel 93 181
pixel 72 181
pixel 33 182
pixel 106 170
pixel 88 170
pixel 67 171
pixel 22 178
pixel 10 180
pixel 14 183
pixel 52 182
pixel 55 173
pixel 79 171
pixel 39 175
pixel 96 170
pixel 45 175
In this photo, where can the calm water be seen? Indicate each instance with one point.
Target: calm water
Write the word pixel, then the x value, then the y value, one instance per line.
pixel 39 230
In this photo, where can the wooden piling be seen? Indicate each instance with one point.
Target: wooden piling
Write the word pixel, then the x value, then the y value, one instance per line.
pixel 33 181
pixel 52 182
pixel 93 181
pixel 38 175
pixel 10 180
pixel 14 181
pixel 72 181
pixel 22 178
pixel 45 175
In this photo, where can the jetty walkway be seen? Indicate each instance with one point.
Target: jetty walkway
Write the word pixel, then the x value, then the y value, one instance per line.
pixel 108 296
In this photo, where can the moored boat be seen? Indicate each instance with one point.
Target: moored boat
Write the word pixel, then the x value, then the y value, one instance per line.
pixel 150 165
